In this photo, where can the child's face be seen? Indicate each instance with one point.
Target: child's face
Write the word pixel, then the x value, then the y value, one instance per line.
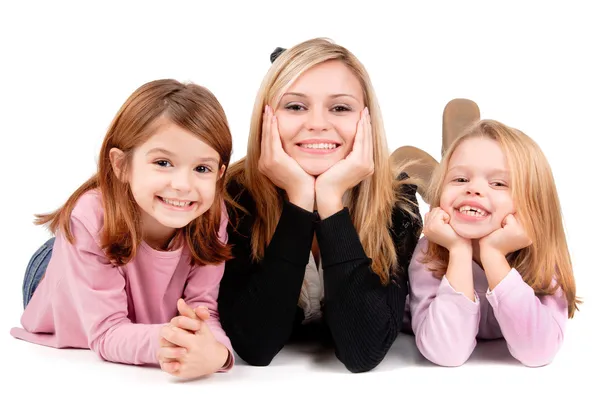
pixel 318 115
pixel 476 191
pixel 173 179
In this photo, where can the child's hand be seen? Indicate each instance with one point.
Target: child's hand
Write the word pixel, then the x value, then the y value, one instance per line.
pixel 437 229
pixel 509 238
pixel 197 355
pixel 187 347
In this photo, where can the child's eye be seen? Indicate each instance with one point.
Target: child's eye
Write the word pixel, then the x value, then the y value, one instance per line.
pixel 460 179
pixel 163 163
pixel 295 107
pixel 498 184
pixel 203 169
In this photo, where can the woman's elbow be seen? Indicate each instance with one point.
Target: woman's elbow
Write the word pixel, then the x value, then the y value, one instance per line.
pixel 359 364
pixel 255 353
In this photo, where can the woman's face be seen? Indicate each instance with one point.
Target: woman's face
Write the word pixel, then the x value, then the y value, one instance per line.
pixel 318 116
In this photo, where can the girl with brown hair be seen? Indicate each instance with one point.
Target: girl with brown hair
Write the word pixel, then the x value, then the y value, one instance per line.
pixel 147 229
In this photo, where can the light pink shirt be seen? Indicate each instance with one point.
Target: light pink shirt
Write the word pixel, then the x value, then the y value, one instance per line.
pixel 86 302
pixel 446 323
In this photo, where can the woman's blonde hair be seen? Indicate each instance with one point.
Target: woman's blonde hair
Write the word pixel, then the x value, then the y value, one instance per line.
pixel 537 207
pixel 370 203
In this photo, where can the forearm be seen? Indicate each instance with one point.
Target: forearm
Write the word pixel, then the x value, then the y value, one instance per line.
pixel 445 322
pixel 532 326
pixel 128 343
pixel 258 301
pixel 364 315
pixel 495 265
pixel 460 271
pixel 446 328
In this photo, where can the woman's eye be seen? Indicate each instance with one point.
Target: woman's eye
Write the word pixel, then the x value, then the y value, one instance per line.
pixel 294 107
pixel 163 163
pixel 341 109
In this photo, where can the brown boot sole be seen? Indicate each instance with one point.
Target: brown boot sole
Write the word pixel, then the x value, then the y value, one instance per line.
pixel 458 115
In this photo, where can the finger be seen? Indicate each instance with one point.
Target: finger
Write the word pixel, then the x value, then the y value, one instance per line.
pixel 368 136
pixel 275 138
pixel 178 337
pixel 186 323
pixel 165 343
pixel 509 220
pixel 184 309
pixel 360 134
pixel 445 216
pixel 202 313
pixel 434 215
pixel 264 142
pixel 167 353
pixel 171 367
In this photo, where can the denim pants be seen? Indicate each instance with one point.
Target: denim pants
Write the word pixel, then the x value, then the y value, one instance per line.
pixel 35 270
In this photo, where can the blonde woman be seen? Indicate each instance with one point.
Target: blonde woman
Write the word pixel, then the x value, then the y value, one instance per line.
pixel 325 230
pixel 494 260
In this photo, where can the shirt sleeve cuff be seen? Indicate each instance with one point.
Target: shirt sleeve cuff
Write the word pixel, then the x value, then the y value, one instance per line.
pixel 508 284
pixel 294 233
pixel 338 239
pixel 459 298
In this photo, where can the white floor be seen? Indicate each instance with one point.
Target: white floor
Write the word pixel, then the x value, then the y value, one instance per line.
pixel 308 372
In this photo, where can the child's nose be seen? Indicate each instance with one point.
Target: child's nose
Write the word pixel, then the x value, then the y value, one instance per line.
pixel 474 188
pixel 181 181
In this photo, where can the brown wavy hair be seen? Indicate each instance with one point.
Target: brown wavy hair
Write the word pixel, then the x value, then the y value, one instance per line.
pixel 537 205
pixel 193 108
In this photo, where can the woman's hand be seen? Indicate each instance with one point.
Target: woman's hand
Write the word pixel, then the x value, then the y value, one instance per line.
pixel 348 172
pixel 281 169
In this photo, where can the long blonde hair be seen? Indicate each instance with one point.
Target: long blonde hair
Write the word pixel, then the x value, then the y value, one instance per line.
pixel 537 206
pixel 370 203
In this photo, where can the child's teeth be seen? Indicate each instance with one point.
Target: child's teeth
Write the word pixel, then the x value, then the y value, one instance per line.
pixel 176 202
pixel 472 211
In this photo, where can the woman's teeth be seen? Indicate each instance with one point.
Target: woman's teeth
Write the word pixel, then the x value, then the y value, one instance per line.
pixel 319 145
pixel 177 203
pixel 472 211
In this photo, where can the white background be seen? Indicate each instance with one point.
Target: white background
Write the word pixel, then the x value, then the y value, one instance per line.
pixel 65 69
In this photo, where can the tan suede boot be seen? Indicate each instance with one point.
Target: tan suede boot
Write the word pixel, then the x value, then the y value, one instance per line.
pixel 458 115
pixel 415 162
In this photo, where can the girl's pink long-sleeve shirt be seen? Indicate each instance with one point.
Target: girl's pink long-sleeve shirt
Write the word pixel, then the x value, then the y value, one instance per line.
pixel 84 301
pixel 446 323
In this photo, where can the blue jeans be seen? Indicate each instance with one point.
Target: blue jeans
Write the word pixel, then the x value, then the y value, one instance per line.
pixel 35 270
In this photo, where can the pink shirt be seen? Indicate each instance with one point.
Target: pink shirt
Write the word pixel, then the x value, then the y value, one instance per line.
pixel 85 302
pixel 446 323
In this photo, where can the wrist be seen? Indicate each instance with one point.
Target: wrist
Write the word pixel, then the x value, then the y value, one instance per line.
pixel 303 197
pixel 328 203
pixel 461 249
pixel 488 253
